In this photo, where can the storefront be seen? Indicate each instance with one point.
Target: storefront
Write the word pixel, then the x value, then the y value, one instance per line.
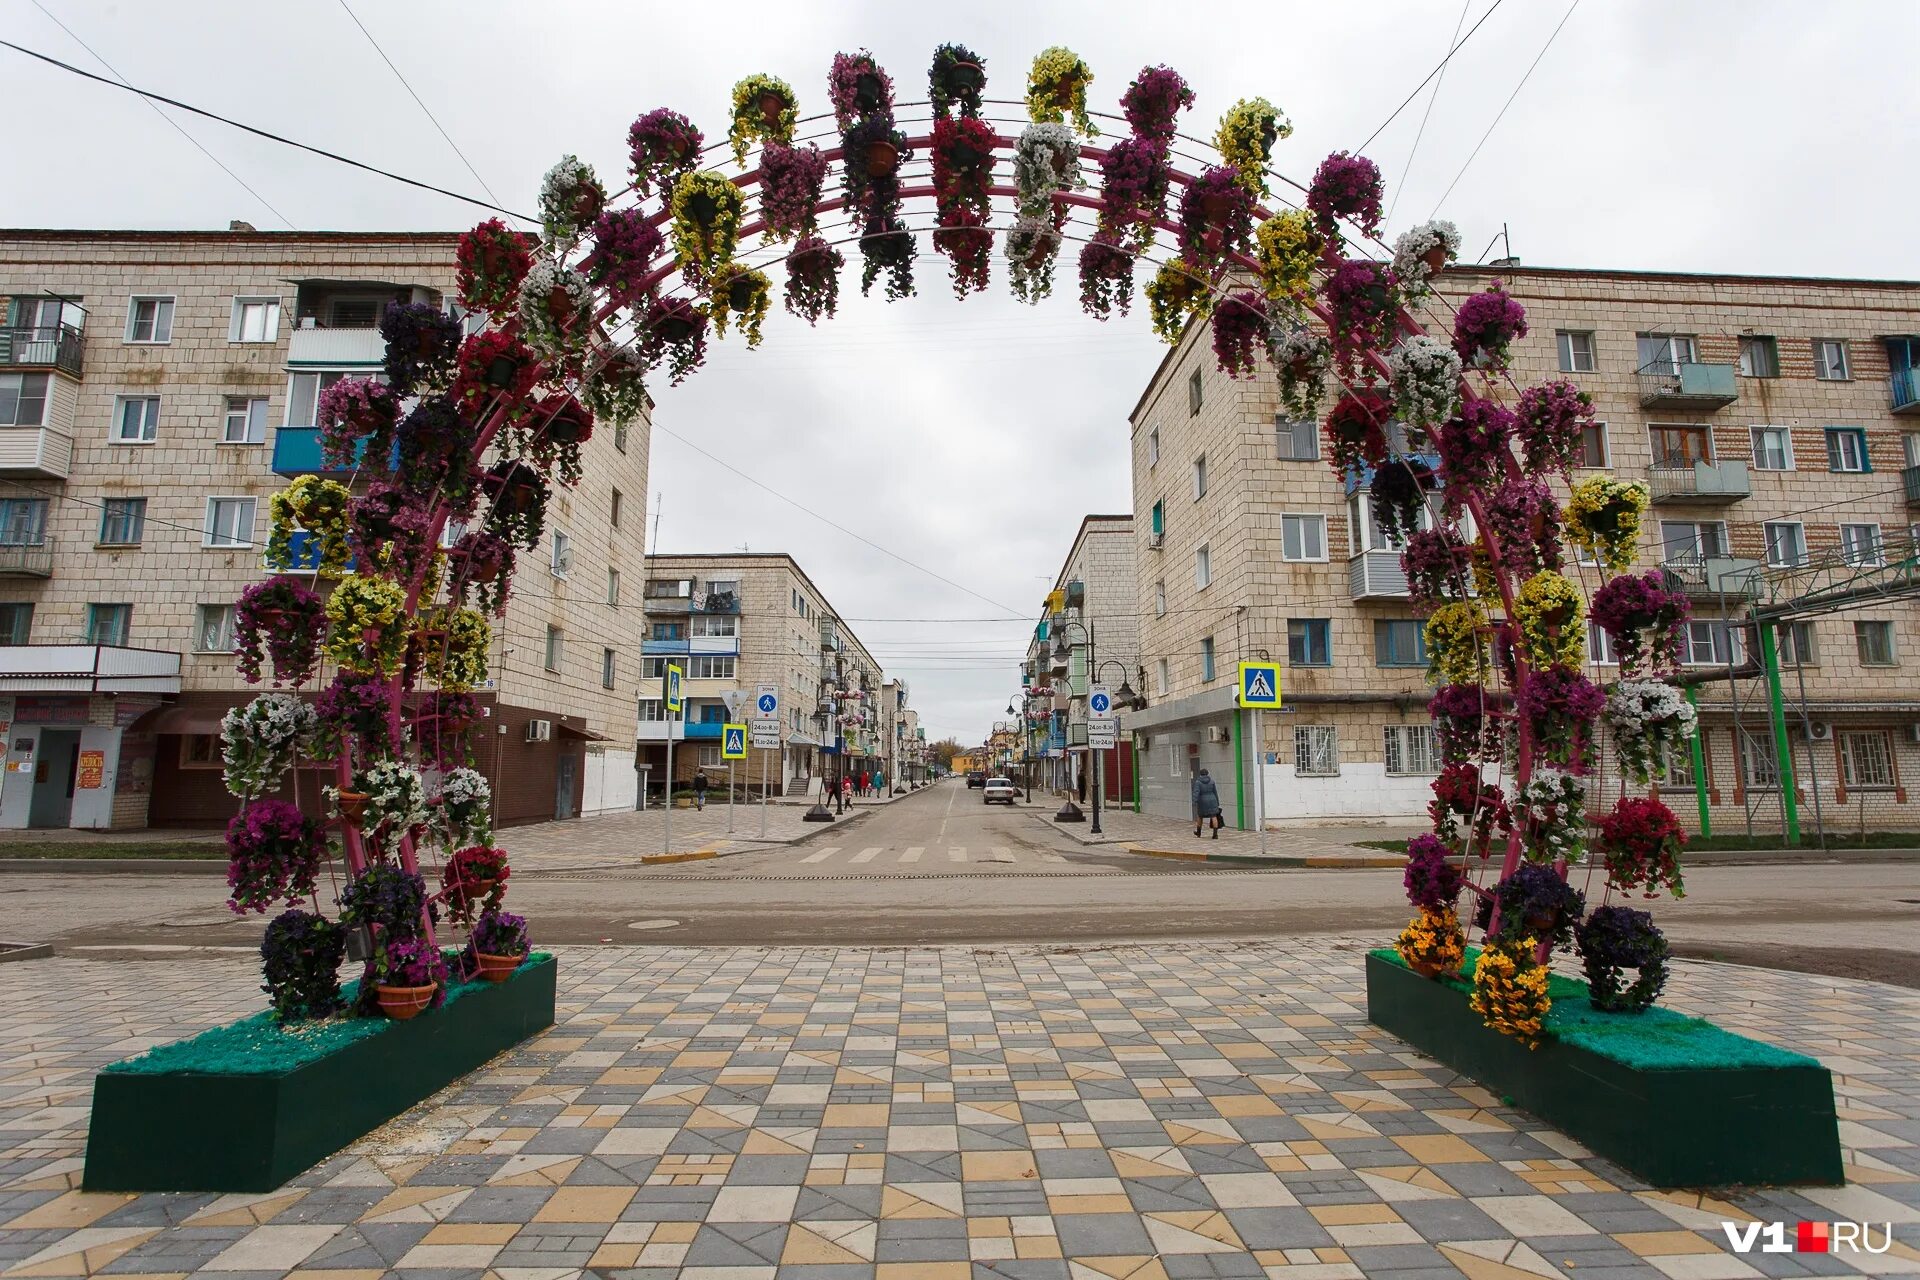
pixel 71 718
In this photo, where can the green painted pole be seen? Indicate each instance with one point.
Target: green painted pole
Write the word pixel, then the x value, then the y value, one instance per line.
pixel 1698 750
pixel 1239 770
pixel 1777 713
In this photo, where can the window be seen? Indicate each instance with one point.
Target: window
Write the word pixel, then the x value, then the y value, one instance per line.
pixel 1206 658
pixel 653 668
pixel 254 320
pixel 229 522
pixel 16 623
pixel 1153 446
pixel 1909 444
pixel 606 668
pixel 710 757
pixel 23 522
pixel 1860 544
pixel 613 509
pixel 1757 762
pixel 1398 642
pixel 1830 362
pixel 1593 444
pixel 1691 541
pixel 303 396
pixel 1193 394
pixel 213 633
pixel 1710 644
pixel 1202 567
pixel 613 586
pixel 1874 640
pixel 620 436
pixel 1680 444
pixel 136 419
pixel 1600 645
pixel 1868 756
pixel 1161 676
pixel 201 751
pixel 1309 642
pixel 1664 352
pixel 1303 537
pixel 669 631
pixel 1412 750
pixel 1316 751
pixel 652 711
pixel 122 521
pixel 556 649
pixel 1159 599
pixel 1576 350
pixel 1759 357
pixel 1772 448
pixel 716 624
pixel 562 553
pixel 1795 644
pixel 108 623
pixel 1299 441
pixel 705 666
pixel 1159 519
pixel 23 399
pixel 1200 477
pixel 150 320
pixel 1680 764
pixel 1786 543
pixel 1847 449
pixel 246 421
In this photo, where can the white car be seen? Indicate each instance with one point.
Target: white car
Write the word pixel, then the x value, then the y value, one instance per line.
pixel 1001 789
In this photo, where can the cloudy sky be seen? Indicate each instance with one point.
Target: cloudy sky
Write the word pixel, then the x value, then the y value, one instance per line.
pixel 968 440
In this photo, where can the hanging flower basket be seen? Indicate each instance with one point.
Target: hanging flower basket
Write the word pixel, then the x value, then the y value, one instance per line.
pixel 966 240
pixel 422 343
pixel 1246 137
pixel 707 211
pixel 744 292
pixel 282 620
pixel 813 279
pixel 1363 307
pixel 1046 162
pixel 1216 219
pixel 491 260
pixel 1135 176
pixel 664 147
pixel 1486 326
pixel 571 197
pixel 1240 327
pixel 356 421
pixel 1032 246
pixel 274 853
pixel 1642 841
pixel 1179 292
pixel 763 111
pixel 889 252
pixel 858 88
pixel 1106 277
pixel 1057 88
pixel 1346 186
pixel 626 248
pixel 1357 432
pixel 318 507
pixel 1153 102
pixel 1423 252
pixel 957 77
pixel 674 329
pixel 1614 938
pixel 963 163
pixel 790 182
pixel 556 307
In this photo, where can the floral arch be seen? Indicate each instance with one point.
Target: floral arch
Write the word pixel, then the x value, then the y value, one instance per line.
pixel 627 286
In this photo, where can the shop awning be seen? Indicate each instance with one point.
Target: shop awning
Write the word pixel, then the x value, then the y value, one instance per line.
pixel 180 720
pixel 566 730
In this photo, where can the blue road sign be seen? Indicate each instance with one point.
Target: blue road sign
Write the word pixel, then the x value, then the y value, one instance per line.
pixel 767 704
pixel 672 690
pixel 1259 684
pixel 1102 703
pixel 733 742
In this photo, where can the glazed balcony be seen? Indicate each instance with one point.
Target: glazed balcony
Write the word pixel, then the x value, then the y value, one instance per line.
pixel 1911 478
pixel 59 347
pixel 1903 391
pixel 1702 483
pixel 1687 384
pixel 36 451
pixel 27 559
pixel 1376 575
pixel 296 452
pixel 1714 578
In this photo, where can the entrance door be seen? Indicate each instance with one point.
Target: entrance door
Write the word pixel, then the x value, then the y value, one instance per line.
pixel 564 775
pixel 53 773
pixel 16 784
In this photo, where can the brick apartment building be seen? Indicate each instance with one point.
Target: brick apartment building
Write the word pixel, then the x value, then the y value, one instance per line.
pixel 156 388
pixel 1769 418
pixel 734 622
pixel 1093 608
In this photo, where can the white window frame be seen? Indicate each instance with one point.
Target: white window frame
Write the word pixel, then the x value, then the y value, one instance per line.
pixel 149 420
pixel 613 586
pixel 1714 631
pixel 1785 439
pixel 1196 393
pixel 1600 646
pixel 1847 453
pixel 1850 757
pixel 1789 646
pixel 1202 566
pixel 133 318
pixel 270 324
pixel 1162 676
pixel 1411 751
pixel 1160 599
pixel 1153 446
pixel 1771 544
pixel 653 711
pixel 17 387
pixel 1882 627
pixel 136 508
pixel 556 650
pixel 1326 625
pixel 1568 353
pixel 1289 435
pixel 711 666
pixel 715 625
pixel 1699 551
pixel 222 628
pixel 1303 521
pixel 1759 768
pixel 608 658
pixel 1824 351
pixel 1316 751
pixel 252 418
pixel 121 610
pixel 211 537
pixel 561 563
pixel 1606 447
pixel 1764 341
pixel 1875 550
pixel 1200 477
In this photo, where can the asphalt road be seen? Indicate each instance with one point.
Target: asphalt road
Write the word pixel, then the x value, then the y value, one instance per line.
pixel 941 867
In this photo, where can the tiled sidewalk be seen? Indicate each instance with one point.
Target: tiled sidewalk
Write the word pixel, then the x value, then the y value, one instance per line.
pixel 823 1114
pixel 616 838
pixel 1148 831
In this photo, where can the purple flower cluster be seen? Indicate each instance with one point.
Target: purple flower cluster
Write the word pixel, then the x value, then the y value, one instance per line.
pixel 299 958
pixel 857 87
pixel 355 708
pixel 1134 176
pixel 1536 903
pixel 1239 332
pixel 1553 420
pixel 1461 721
pixel 273 854
pixel 411 962
pixel 1154 101
pixel 289 619
pixel 352 410
pixel 1216 217
pixel 625 243
pixel 422 343
pixel 664 147
pixel 1435 563
pixel 1346 186
pixel 386 897
pixel 1643 618
pixel 790 182
pixel 1362 305
pixel 1473 446
pixel 1431 880
pixel 674 330
pixel 500 933
pixel 1486 325
pixel 1560 707
pixel 1524 522
pixel 1106 276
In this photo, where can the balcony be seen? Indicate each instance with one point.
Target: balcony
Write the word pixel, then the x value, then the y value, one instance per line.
pixel 1903 391
pixel 57 347
pixel 663 648
pixel 724 602
pixel 296 452
pixel 1687 385
pixel 1715 578
pixel 1376 575
pixel 36 451
pixel 703 730
pixel 722 645
pixel 830 636
pixel 336 348
pixel 27 559
pixel 667 604
pixel 1911 476
pixel 87 668
pixel 1705 483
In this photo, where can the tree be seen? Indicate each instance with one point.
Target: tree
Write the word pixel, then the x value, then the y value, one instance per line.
pixel 944 751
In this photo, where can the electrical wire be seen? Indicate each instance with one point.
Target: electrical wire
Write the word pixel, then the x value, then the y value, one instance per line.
pixel 1503 109
pixel 1406 171
pixel 1430 75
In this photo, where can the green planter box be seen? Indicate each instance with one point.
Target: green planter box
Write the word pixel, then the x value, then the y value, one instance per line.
pixel 1675 1100
pixel 246 1106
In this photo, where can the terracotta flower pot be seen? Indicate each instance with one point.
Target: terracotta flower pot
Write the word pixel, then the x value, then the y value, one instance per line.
pixel 1216 206
pixel 1436 259
pixel 883 158
pixel 967 78
pixel 497 968
pixel 771 105
pixel 474 890
pixel 1427 968
pixel 352 805
pixel 402 1003
pixel 501 371
pixel 1063 94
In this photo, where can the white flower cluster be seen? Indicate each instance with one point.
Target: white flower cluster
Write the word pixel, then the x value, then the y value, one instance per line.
pixel 559 193
pixel 1031 246
pixel 1426 381
pixel 396 797
pixel 261 741
pixel 1648 719
pixel 1410 254
pixel 466 808
pixel 545 329
pixel 1552 811
pixel 1302 357
pixel 1046 160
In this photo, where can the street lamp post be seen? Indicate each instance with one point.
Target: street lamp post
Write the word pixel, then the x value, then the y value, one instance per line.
pixel 1063 652
pixel 1026 743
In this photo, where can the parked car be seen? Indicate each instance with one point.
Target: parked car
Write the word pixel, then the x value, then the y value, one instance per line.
pixel 1001 789
pixel 976 778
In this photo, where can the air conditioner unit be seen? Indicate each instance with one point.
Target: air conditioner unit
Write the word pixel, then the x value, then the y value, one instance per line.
pixel 1217 733
pixel 562 561
pixel 1155 541
pixel 1820 731
pixel 539 730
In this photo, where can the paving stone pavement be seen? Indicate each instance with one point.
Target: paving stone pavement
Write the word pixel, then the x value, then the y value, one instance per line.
pixel 1125 827
pixel 1125 1113
pixel 614 839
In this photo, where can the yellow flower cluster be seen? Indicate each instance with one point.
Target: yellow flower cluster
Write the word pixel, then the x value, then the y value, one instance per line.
pixel 1056 85
pixel 1246 137
pixel 1287 249
pixel 739 289
pixel 1510 991
pixel 1603 519
pixel 1456 644
pixel 319 507
pixel 1176 294
pixel 366 626
pixel 706 221
pixel 751 123
pixel 453 647
pixel 1432 942
pixel 1550 612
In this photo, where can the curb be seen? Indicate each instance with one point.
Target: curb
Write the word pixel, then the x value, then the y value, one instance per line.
pixel 696 855
pixel 113 866
pixel 1324 862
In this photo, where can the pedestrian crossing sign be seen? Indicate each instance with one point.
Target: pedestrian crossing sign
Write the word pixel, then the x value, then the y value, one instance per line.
pixel 1260 685
pixel 674 676
pixel 733 742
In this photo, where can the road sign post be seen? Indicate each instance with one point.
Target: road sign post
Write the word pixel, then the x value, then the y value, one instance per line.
pixel 766 722
pixel 1259 690
pixel 670 697
pixel 733 746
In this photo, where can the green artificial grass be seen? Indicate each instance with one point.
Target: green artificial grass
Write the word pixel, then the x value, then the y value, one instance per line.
pixel 262 1045
pixel 1654 1040
pixel 1809 843
pixel 120 850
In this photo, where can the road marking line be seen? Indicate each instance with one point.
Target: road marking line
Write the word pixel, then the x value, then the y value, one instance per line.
pixel 913 854
pixel 958 853
pixel 1051 857
pixel 866 855
pixel 823 855
pixel 1000 853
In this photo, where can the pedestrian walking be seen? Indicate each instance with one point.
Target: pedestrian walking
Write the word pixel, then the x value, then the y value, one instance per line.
pixel 699 789
pixel 866 783
pixel 1206 804
pixel 846 789
pixel 880 782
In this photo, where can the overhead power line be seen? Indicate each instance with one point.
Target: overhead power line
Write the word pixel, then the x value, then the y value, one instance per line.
pixel 265 133
pixel 1430 75
pixel 1406 172
pixel 1503 109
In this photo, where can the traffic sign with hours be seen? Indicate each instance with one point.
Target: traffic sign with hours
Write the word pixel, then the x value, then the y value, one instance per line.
pixel 766 702
pixel 1259 685
pixel 1099 703
pixel 766 735
pixel 733 742
pixel 1101 735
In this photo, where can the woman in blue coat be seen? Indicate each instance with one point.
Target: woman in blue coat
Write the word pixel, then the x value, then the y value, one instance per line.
pixel 1206 804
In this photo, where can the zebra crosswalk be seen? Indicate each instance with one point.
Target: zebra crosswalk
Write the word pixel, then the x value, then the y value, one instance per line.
pixel 880 855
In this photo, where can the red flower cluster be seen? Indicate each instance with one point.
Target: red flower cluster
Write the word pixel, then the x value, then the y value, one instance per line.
pixel 1641 841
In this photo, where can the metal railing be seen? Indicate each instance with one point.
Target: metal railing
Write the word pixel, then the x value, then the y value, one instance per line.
pixel 1687 383
pixel 1903 391
pixel 43 346
pixel 1699 481
pixel 27 559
